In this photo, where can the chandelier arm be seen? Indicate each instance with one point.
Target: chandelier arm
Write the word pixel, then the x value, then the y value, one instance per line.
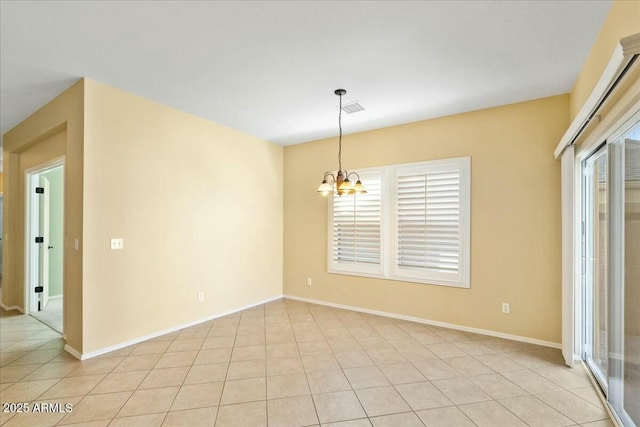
pixel 354 173
pixel 329 174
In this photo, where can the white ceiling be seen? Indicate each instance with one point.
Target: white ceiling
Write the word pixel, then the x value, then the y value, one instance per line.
pixel 269 68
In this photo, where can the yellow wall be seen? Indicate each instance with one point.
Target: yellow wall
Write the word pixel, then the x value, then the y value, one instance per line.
pixel 515 218
pixel 623 20
pixel 199 207
pixel 54 130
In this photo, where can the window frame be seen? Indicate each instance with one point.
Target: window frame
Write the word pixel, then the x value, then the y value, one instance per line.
pixel 388 268
pixel 463 166
pixel 358 269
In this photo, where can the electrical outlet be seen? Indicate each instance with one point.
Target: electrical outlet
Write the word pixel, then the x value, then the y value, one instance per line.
pixel 117 244
pixel 506 308
pixel 200 296
pixel 309 281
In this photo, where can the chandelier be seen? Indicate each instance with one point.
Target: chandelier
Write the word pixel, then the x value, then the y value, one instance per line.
pixel 340 183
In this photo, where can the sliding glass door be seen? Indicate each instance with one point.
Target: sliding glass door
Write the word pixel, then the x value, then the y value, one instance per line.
pixel 611 271
pixel 630 375
pixel 595 263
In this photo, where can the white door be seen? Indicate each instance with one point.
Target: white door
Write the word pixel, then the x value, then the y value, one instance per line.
pixel 46 245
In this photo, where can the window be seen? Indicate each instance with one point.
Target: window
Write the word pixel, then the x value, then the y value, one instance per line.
pixel 412 225
pixel 355 232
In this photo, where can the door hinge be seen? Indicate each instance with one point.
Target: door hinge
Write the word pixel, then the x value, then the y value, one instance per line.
pixel 39 239
pixel 39 190
pixel 39 289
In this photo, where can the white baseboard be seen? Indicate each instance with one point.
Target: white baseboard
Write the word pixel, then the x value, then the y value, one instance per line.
pixel 430 322
pixel 85 356
pixel 11 307
pixel 54 297
pixel 72 351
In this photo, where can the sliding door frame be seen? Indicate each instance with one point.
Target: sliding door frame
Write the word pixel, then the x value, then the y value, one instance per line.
pixel 588 250
pixel 612 139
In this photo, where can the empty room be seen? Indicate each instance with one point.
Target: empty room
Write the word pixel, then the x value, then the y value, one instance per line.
pixel 320 213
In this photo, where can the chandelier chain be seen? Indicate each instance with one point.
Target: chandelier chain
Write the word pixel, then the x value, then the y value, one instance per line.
pixel 340 183
pixel 340 137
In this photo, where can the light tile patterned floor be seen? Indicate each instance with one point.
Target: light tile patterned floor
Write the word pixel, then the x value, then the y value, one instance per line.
pixel 289 363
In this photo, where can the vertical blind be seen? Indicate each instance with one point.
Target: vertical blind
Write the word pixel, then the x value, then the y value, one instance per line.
pixel 428 221
pixel 357 225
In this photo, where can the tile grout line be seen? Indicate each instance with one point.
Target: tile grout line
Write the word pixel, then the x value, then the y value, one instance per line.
pixel 59 379
pixel 313 402
pixel 88 393
pixel 342 369
pixel 141 382
pixel 235 337
pixel 187 374
pixel 394 385
pixel 266 377
pixel 145 377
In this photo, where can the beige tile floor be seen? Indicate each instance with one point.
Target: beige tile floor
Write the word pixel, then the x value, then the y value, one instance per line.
pixel 289 363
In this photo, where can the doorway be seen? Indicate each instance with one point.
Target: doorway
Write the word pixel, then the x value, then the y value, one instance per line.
pixel 45 243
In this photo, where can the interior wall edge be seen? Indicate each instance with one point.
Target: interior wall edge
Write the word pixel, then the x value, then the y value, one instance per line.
pixel 32 141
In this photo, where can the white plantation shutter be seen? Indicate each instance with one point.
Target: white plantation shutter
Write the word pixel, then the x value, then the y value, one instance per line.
pixel 412 225
pixel 356 229
pixel 430 226
pixel 429 221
